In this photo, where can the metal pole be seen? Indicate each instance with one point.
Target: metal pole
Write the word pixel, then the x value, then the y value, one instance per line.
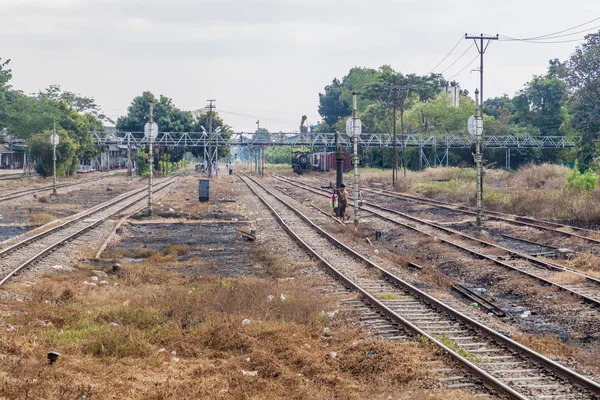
pixel 128 155
pixel 210 139
pixel 355 158
pixel 54 163
pixel 478 159
pixel 150 161
pixel 402 137
pixel 395 158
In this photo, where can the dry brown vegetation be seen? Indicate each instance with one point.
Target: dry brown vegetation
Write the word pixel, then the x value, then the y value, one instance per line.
pixel 548 345
pixel 38 219
pixel 535 190
pixel 586 262
pixel 156 335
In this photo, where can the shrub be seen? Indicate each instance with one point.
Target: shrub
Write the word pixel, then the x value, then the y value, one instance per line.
pixel 40 219
pixel 578 181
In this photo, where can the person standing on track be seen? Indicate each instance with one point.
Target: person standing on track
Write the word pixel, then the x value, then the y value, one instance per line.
pixel 230 167
pixel 342 202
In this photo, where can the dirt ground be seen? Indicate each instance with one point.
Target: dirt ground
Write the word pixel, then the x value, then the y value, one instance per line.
pixel 24 213
pixel 183 306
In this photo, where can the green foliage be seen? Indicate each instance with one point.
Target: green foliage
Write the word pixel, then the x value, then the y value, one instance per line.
pixel 41 150
pixel 281 154
pixel 168 117
pixel 587 181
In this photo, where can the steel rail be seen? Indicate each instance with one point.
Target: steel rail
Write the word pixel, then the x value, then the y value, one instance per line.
pixel 495 215
pixel 21 193
pixel 81 231
pixel 548 364
pixel 544 263
pixel 588 299
pixel 70 221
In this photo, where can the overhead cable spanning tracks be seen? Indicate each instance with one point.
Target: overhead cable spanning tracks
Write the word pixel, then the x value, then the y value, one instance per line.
pixel 425 140
pixel 26 252
pixel 507 367
pixel 586 288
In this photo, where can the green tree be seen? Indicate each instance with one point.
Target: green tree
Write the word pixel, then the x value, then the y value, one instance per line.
pixel 583 79
pixel 41 151
pixel 542 104
pixel 168 117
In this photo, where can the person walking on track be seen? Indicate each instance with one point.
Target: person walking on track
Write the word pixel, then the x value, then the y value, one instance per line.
pixel 230 167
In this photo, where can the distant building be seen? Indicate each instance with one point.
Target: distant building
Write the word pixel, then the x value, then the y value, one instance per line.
pixel 12 156
pixel 453 91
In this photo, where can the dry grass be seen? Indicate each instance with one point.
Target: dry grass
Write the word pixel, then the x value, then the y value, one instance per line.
pixel 534 190
pixel 39 219
pixel 545 176
pixel 585 262
pixel 566 277
pixel 275 265
pixel 549 345
pixel 111 339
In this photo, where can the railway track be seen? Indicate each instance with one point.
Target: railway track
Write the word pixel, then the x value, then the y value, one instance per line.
pixel 8 177
pixel 27 252
pixel 507 367
pixel 24 192
pixel 583 286
pixel 554 227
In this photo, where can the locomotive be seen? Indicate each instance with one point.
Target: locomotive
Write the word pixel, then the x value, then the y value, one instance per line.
pixel 303 161
pixel 300 162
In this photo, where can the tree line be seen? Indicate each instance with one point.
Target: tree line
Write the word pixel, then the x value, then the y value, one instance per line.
pixel 564 101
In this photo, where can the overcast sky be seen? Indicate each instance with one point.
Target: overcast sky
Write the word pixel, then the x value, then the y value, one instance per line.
pixel 267 60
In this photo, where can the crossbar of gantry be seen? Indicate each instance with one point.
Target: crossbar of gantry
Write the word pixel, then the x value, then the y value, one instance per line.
pixel 201 139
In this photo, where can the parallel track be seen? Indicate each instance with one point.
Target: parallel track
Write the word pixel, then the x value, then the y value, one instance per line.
pixel 588 289
pixel 21 193
pixel 551 226
pixel 23 254
pixel 504 365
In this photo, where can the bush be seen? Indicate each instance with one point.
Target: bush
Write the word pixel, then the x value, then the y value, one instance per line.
pixel 578 181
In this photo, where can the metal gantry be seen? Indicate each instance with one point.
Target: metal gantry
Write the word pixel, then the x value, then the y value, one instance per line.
pixel 415 140
pixel 433 148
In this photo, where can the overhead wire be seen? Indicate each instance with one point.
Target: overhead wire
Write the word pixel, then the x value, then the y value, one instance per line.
pixel 459 58
pixel 549 38
pixel 465 67
pixel 258 117
pixel 447 55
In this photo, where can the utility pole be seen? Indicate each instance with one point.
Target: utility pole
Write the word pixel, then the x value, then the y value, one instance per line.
pixel 394 145
pixel 402 158
pixel 396 92
pixel 211 106
pixel 129 156
pixel 150 160
pixel 54 143
pixel 355 134
pixel 481 48
pixel 478 157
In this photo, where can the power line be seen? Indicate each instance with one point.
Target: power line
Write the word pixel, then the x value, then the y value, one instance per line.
pixel 258 117
pixel 458 59
pixel 465 67
pixel 545 42
pixel 566 30
pixel 555 35
pixel 447 55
